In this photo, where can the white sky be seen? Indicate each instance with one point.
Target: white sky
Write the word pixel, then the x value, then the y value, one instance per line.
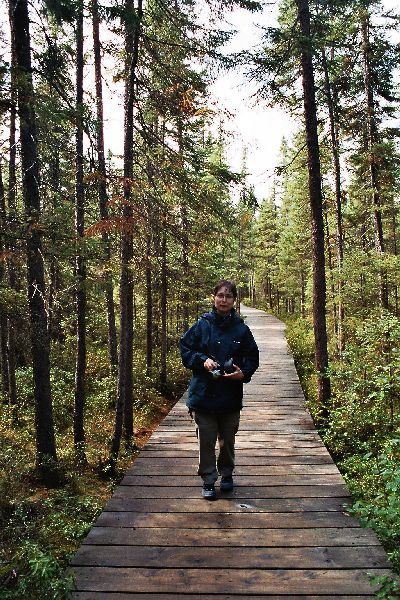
pixel 255 127
pixel 249 126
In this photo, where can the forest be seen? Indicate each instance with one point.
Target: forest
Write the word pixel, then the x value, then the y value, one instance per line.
pixel 106 259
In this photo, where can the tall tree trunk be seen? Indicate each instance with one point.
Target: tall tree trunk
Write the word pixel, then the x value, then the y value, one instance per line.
pixel 124 406
pixel 394 237
pixel 80 266
pixel 185 241
pixel 12 212
pixel 103 197
pixel 164 306
pixel 317 222
pixel 338 202
pixel 54 313
pixel 45 439
pixel 185 267
pixel 331 275
pixel 372 138
pixel 149 300
pixel 270 294
pixel 239 262
pixel 3 316
pixel 53 321
pixel 164 290
pixel 303 296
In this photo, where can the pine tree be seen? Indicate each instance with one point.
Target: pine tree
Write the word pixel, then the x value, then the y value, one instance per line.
pixel 45 438
pixel 315 194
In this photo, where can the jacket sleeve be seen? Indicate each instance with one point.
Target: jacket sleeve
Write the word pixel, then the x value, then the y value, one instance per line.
pixel 250 356
pixel 190 347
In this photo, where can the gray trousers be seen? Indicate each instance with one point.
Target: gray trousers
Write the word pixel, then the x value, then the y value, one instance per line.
pixel 209 428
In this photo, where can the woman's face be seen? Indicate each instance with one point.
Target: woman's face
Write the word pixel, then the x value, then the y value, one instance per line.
pixel 224 301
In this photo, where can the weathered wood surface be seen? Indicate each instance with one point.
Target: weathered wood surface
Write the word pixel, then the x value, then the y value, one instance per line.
pixel 282 533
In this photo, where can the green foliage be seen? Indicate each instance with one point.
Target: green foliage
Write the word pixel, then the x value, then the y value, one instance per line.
pixel 62 385
pixel 366 384
pixel 36 574
pixel 374 481
pixel 299 334
pixel 12 302
pixel 364 424
pixel 40 527
pixel 46 532
pixel 388 587
pixel 62 10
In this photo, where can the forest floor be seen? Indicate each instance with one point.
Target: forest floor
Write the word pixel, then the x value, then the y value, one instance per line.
pixel 42 524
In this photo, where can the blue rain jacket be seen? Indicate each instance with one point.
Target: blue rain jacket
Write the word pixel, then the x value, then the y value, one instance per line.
pixel 220 338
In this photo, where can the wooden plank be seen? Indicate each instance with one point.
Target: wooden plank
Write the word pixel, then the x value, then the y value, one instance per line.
pixel 154 450
pixel 134 596
pixel 367 557
pixel 197 505
pixel 245 445
pixel 284 427
pixel 246 421
pixel 239 493
pixel 226 520
pixel 177 469
pixel 328 536
pixel 288 437
pixel 209 581
pixel 146 458
pixel 240 480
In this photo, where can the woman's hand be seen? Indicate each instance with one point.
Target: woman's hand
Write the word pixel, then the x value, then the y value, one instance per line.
pixel 236 376
pixel 210 364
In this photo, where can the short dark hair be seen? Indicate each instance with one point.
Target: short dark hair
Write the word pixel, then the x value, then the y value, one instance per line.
pixel 231 285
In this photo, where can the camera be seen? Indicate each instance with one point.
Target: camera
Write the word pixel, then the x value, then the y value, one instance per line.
pixel 221 370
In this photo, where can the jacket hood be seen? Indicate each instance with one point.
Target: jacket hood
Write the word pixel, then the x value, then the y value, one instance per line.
pixel 222 321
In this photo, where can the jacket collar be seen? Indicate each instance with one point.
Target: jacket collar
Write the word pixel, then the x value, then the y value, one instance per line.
pixel 222 321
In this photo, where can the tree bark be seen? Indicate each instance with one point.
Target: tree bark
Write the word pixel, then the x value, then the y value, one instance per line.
pixel 3 317
pixel 54 314
pixel 103 196
pixel 80 263
pixel 12 213
pixel 394 238
pixel 45 438
pixel 164 306
pixel 124 405
pixel 338 202
pixel 331 275
pixel 303 295
pixel 185 242
pixel 317 222
pixel 372 138
pixel 149 300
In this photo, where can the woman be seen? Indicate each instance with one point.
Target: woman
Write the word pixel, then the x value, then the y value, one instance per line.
pixel 220 350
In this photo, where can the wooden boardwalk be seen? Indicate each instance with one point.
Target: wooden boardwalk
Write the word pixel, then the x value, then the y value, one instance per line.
pixel 282 533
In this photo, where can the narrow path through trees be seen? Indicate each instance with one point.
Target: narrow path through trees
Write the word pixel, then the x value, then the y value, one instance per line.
pixel 283 532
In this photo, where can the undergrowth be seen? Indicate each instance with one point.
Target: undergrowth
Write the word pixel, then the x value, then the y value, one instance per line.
pixel 41 524
pixel 363 432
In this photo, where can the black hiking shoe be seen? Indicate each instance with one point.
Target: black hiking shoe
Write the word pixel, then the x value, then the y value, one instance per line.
pixel 208 491
pixel 226 484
